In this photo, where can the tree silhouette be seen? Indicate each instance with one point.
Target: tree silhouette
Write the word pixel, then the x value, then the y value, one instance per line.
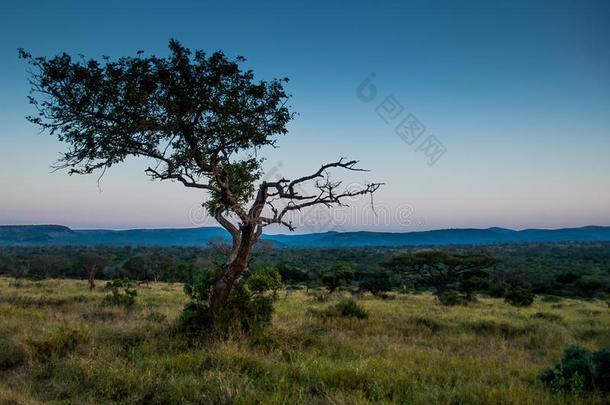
pixel 199 119
pixel 442 270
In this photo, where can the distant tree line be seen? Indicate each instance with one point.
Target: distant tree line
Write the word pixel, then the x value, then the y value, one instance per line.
pixel 454 274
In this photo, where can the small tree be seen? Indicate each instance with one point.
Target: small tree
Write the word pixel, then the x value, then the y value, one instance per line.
pixel 91 261
pixel 122 292
pixel 442 271
pixel 337 275
pixel 375 281
pixel 201 120
pixel 138 268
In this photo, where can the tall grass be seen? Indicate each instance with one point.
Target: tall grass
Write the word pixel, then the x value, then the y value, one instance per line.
pixel 70 349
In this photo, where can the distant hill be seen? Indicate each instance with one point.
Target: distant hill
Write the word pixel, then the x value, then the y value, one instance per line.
pixel 56 235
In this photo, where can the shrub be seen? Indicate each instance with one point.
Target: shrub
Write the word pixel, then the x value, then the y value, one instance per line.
pixel 579 371
pixel 194 318
pixel 265 279
pixel 122 292
pixel 601 362
pixel 451 297
pixel 347 307
pixel 248 308
pixel 11 355
pixel 551 298
pixel 519 296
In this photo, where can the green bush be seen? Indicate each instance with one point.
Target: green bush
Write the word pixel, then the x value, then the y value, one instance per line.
pixel 347 307
pixel 248 308
pixel 579 371
pixel 265 279
pixel 122 292
pixel 11 355
pixel 451 297
pixel 519 296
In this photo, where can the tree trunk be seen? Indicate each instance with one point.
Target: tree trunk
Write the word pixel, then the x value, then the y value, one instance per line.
pixel 238 263
pixel 91 278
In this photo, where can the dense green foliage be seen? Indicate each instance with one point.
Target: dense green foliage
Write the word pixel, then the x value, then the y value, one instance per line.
pixel 519 296
pixel 248 309
pixel 579 371
pixel 337 275
pixel 454 276
pixel 566 270
pixel 200 117
pixel 349 307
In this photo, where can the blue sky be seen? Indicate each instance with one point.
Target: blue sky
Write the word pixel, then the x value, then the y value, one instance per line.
pixel 517 92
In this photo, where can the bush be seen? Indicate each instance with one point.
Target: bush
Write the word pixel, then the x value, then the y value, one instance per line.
pixel 579 371
pixel 248 308
pixel 265 279
pixel 11 355
pixel 347 307
pixel 451 298
pixel 122 292
pixel 519 296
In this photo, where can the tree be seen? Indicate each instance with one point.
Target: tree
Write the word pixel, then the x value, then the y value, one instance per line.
pixel 200 120
pixel 138 268
pixel 375 281
pixel 91 262
pixel 160 264
pixel 337 275
pixel 443 271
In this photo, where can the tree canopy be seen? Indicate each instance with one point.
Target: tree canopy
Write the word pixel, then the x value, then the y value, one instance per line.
pixel 200 119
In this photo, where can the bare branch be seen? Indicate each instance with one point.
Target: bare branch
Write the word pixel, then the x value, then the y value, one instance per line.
pixel 327 194
pixel 190 182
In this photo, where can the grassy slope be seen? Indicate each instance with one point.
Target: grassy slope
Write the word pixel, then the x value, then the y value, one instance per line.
pixel 410 350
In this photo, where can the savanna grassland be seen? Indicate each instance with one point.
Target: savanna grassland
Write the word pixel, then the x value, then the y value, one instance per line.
pixel 58 344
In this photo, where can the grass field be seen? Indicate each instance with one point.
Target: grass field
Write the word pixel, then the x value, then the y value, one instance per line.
pixel 59 345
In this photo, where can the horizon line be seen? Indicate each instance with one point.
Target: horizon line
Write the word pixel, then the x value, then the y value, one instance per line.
pixel 306 233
